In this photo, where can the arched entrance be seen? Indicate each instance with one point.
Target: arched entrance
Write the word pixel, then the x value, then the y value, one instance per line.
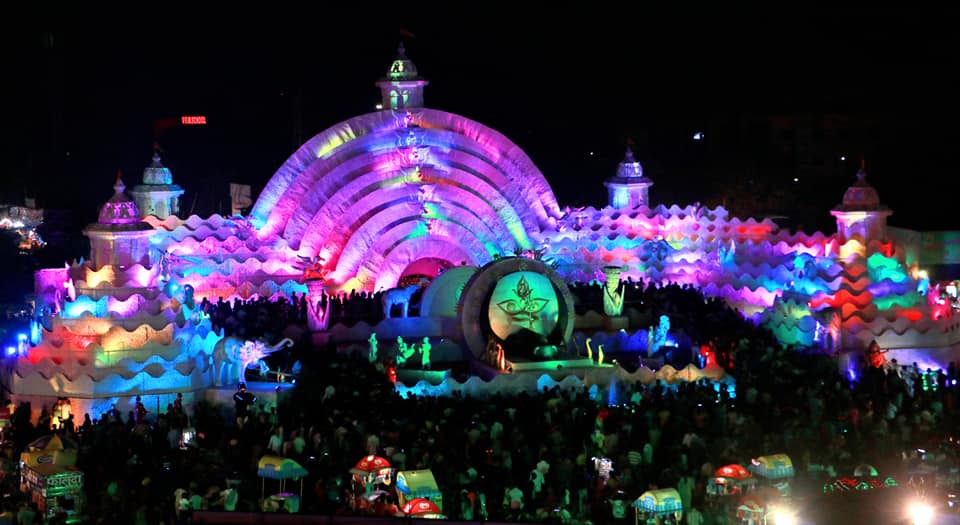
pixel 372 195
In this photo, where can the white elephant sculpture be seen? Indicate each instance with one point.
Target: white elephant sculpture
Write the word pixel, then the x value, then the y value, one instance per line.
pixel 237 355
pixel 251 353
pixel 224 356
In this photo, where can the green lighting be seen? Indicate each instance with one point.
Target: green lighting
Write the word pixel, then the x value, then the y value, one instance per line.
pixel 421 230
pixel 338 139
pixel 884 268
pixel 431 210
pixel 903 301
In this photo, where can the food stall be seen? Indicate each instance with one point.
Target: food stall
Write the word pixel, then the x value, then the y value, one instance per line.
pixel 48 475
pixel 423 508
pixel 872 499
pixel 663 505
pixel 366 475
pixel 858 483
pixel 280 469
pixel 54 489
pixel 761 505
pixel 751 510
pixel 418 484
pixel 777 469
pixel 730 480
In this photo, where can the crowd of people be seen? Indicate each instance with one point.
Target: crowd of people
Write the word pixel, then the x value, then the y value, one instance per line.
pixel 262 317
pixel 531 457
pixel 256 317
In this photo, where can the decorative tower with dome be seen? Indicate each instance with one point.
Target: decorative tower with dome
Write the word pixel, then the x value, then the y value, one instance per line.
pixel 402 87
pixel 158 195
pixel 110 329
pixel 119 238
pixel 861 214
pixel 628 188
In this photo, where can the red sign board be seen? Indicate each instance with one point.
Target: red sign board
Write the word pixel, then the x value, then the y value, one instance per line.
pixel 193 119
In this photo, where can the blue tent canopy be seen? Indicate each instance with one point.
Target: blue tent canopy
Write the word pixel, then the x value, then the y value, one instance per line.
pixel 417 484
pixel 660 502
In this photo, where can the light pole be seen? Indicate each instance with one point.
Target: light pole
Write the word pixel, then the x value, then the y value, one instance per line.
pixel 277 390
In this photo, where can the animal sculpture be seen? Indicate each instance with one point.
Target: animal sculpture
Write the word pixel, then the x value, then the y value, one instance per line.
pixel 400 296
pixel 251 353
pixel 223 351
pixel 236 355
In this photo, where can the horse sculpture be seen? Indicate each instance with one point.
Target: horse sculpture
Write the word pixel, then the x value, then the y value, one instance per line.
pixel 400 296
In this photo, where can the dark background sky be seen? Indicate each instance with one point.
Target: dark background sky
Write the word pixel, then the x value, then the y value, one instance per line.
pixel 562 80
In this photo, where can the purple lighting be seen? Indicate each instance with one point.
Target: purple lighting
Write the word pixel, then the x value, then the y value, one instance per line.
pixel 365 202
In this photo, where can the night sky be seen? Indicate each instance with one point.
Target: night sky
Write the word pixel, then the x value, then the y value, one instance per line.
pixel 86 97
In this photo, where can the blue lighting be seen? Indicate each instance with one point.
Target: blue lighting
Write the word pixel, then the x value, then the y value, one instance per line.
pixel 22 346
pixel 35 332
pixel 11 350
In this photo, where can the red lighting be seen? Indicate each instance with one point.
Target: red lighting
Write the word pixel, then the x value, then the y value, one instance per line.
pixel 193 120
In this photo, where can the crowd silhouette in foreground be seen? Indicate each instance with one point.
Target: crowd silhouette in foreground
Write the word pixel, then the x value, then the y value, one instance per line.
pixel 529 457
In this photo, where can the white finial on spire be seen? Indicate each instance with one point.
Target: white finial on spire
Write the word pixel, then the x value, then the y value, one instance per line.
pixel 629 158
pixel 119 187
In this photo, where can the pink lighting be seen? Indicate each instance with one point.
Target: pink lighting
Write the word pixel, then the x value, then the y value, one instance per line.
pixel 408 190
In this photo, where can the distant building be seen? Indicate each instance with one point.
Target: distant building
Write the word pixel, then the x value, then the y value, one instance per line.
pixel 24 220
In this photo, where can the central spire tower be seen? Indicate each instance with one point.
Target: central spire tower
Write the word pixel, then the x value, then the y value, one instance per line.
pixel 403 87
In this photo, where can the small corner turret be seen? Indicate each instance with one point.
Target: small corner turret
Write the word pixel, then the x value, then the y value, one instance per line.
pixel 861 214
pixel 628 188
pixel 158 195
